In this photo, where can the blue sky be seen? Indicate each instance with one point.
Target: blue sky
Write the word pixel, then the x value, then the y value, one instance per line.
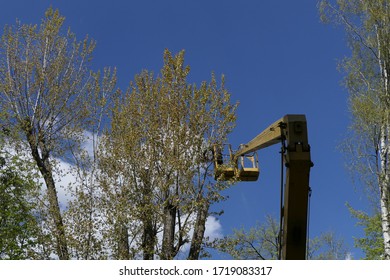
pixel 277 58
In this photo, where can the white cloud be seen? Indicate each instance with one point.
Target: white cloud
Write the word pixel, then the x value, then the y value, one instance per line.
pixel 213 228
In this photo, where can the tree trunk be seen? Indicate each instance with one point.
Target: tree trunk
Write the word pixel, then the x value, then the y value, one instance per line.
pixel 199 230
pixel 148 239
pixel 384 184
pixel 385 220
pixel 54 206
pixel 168 250
pixel 149 228
pixel 55 212
pixel 123 243
pixel 45 169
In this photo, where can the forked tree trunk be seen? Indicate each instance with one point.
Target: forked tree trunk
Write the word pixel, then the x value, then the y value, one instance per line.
pixel 54 206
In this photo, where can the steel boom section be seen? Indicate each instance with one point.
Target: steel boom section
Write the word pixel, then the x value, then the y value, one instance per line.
pixel 292 129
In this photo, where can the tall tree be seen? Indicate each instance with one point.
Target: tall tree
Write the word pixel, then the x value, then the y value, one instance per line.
pixel 367 24
pixel 46 87
pixel 153 159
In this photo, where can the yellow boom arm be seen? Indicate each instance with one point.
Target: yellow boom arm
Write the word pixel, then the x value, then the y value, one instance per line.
pixel 292 130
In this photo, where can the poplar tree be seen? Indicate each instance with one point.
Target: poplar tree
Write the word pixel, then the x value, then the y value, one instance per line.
pixel 46 92
pixel 367 24
pixel 154 161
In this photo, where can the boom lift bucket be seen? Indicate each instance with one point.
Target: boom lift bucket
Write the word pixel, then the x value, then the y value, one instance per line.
pixel 248 167
pixel 223 165
pixel 243 168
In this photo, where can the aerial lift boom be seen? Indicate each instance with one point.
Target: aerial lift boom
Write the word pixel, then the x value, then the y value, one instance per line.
pixel 291 131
